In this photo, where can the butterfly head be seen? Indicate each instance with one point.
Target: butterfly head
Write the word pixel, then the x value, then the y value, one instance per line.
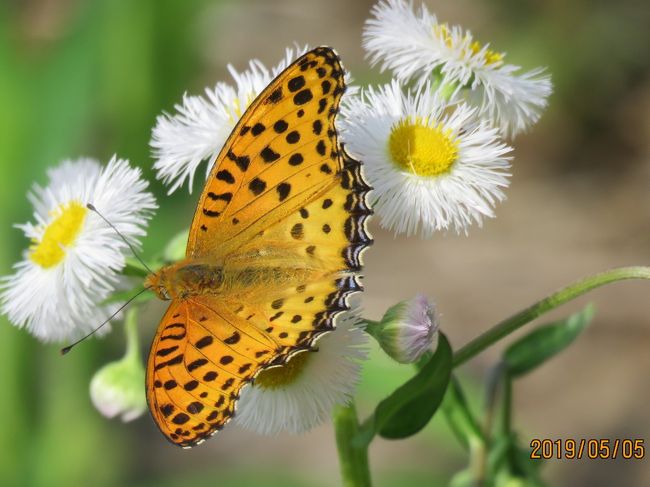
pixel 157 282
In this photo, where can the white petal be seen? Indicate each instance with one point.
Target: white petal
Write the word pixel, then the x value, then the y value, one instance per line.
pixel 62 302
pixel 201 124
pixel 411 45
pixel 408 203
pixel 329 377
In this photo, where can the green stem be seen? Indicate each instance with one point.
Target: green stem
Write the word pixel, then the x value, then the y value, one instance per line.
pixel 132 338
pixel 459 417
pixel 506 407
pixel 494 384
pixel 562 296
pixel 353 457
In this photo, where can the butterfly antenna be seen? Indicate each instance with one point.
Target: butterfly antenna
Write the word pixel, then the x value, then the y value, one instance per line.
pixel 65 350
pixel 91 207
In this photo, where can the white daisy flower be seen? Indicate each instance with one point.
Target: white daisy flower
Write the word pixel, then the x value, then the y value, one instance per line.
pixel 75 258
pixel 407 330
pixel 432 165
pixel 301 394
pixel 415 45
pixel 201 124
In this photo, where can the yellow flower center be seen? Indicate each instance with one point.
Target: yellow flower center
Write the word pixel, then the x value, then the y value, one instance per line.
pixel 58 235
pixel 236 111
pixel 277 377
pixel 422 149
pixel 490 56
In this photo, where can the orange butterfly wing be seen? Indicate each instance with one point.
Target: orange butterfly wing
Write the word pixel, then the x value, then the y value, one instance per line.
pixel 281 183
pixel 282 153
pixel 200 358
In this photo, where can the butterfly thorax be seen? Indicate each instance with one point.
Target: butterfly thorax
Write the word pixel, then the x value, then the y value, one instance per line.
pixel 195 278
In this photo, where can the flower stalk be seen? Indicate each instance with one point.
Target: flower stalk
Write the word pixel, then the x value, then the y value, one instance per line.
pixel 353 457
pixel 132 353
pixel 552 301
pixel 116 389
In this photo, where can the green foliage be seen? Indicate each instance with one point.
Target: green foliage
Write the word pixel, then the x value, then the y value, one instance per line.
pixel 92 85
pixel 496 457
pixel 459 417
pixel 410 407
pixel 175 249
pixel 545 342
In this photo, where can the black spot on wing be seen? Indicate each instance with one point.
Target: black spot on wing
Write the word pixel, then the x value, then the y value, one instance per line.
pixel 220 197
pixel 296 83
pixel 258 128
pixel 226 176
pixel 280 126
pixel 283 190
pixel 293 137
pixel 269 155
pixel 296 159
pixel 275 96
pixel 303 97
pixel 257 186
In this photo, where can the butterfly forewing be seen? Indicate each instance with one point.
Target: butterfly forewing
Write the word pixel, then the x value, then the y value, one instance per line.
pixel 281 154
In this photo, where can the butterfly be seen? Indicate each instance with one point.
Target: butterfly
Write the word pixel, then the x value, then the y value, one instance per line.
pixel 273 253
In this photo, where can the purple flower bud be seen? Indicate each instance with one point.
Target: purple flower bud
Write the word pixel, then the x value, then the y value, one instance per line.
pixel 408 329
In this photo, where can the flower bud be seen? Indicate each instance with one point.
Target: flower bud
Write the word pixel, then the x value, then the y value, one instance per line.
pixel 117 389
pixel 407 330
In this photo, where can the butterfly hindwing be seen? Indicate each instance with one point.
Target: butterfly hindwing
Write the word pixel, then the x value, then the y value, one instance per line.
pixel 202 355
pixel 327 235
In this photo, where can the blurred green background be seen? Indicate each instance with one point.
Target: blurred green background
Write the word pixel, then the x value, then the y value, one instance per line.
pixel 89 77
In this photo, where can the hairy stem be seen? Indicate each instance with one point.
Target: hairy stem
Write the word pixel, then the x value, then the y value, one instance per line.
pixel 556 299
pixel 353 457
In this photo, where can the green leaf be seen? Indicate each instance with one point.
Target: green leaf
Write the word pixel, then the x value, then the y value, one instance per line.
pixel 122 296
pixel 134 268
pixel 543 343
pixel 497 457
pixel 175 249
pixel 407 410
pixel 510 466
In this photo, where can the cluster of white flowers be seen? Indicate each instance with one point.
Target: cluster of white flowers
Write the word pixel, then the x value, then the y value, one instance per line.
pixel 432 149
pixel 414 45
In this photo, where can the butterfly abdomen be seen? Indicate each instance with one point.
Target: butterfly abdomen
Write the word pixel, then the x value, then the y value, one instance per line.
pixel 188 278
pixel 257 278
